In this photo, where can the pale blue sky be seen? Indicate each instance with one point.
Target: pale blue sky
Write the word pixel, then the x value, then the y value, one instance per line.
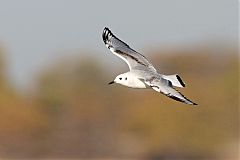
pixel 34 33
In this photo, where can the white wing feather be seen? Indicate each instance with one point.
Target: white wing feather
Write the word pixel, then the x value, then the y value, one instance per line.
pixel 134 59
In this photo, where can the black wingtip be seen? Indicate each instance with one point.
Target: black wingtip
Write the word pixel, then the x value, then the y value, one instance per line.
pixel 195 104
pixel 181 100
pixel 106 28
pixel 180 81
pixel 105 34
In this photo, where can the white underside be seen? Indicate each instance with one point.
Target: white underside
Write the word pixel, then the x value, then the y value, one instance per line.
pixel 136 83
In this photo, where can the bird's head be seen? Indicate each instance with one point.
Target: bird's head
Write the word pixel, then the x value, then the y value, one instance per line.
pixel 120 79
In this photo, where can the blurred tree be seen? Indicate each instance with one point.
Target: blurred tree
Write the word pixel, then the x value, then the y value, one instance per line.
pixel 73 94
pixel 74 113
pixel 21 123
pixel 2 67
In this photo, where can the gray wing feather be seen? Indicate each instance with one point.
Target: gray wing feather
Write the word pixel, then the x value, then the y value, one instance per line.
pixel 134 59
pixel 165 87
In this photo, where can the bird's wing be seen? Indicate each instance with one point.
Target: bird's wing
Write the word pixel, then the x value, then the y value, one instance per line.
pixel 165 87
pixel 134 59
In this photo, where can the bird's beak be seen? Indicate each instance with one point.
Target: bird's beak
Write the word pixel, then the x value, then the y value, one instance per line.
pixel 111 82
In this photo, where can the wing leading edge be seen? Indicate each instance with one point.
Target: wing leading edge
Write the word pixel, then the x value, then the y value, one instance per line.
pixel 119 48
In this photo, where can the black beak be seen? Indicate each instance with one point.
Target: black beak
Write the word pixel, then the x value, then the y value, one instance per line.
pixel 111 82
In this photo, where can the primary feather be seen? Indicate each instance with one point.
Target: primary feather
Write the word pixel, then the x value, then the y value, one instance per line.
pixel 141 71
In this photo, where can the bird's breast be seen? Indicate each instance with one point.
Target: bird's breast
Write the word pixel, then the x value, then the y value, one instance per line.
pixel 136 83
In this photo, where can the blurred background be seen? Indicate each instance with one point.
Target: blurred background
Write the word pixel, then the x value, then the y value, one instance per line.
pixel 54 70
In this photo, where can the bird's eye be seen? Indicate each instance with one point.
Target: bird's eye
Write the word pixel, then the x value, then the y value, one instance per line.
pixel 126 78
pixel 120 78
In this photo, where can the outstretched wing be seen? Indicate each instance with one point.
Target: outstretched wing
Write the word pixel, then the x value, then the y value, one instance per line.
pixel 165 87
pixel 134 59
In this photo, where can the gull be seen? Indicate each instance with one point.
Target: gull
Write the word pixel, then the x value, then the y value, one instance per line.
pixel 141 72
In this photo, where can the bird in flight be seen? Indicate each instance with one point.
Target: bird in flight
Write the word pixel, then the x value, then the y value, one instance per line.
pixel 142 74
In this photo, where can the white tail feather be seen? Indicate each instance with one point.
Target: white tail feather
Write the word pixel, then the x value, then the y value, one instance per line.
pixel 175 80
